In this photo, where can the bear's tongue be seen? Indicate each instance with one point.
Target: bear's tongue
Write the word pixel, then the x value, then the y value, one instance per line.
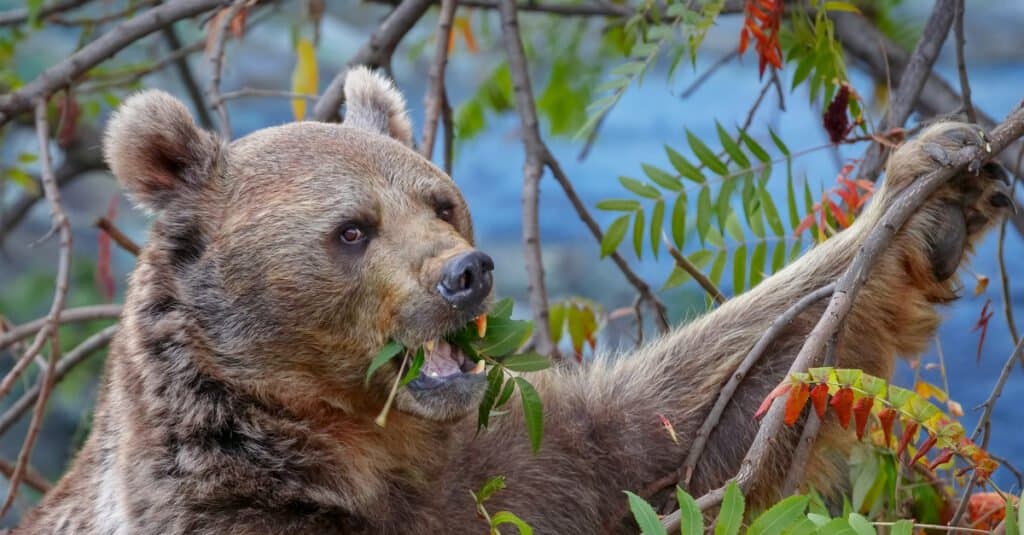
pixel 442 360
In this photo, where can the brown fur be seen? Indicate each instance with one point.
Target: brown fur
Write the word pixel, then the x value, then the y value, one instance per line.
pixel 233 400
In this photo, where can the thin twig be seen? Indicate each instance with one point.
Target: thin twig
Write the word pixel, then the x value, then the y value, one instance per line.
pixel 1004 280
pixel 119 237
pixel 117 38
pixel 961 507
pixel 911 83
pixel 188 79
pixel 586 9
pixel 985 422
pixel 684 263
pixel 20 15
pixel 536 157
pixel 31 478
pixel 847 287
pixel 1005 463
pixel 449 134
pixel 725 396
pixel 376 52
pixel 706 75
pixel 71 315
pixel 105 83
pixel 961 66
pixel 220 38
pixel 51 329
pixel 252 92
pixel 436 95
pixel 132 8
pixel 71 359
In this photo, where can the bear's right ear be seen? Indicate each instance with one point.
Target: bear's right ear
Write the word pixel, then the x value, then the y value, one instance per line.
pixel 372 103
pixel 156 150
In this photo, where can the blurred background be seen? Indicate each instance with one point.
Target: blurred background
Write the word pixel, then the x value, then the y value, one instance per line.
pixel 488 161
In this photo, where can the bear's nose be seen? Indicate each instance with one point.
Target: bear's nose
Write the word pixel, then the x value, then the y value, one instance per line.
pixel 466 279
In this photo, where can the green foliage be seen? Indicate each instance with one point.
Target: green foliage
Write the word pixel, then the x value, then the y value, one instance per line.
pixel 485 493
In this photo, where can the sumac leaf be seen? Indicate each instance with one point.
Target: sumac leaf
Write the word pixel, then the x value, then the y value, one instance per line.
pixel 861 414
pixel 943 457
pixel 925 447
pixel 795 403
pixel 780 390
pixel 887 417
pixel 819 398
pixel 909 430
pixel 842 402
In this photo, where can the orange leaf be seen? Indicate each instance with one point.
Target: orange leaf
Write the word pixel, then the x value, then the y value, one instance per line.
pixel 819 396
pixel 780 390
pixel 837 213
pixel 842 402
pixel 805 224
pixel 861 411
pixel 942 458
pixel 886 417
pixel 925 446
pixel 982 325
pixel 461 24
pixel 744 40
pixel 795 403
pixel 909 430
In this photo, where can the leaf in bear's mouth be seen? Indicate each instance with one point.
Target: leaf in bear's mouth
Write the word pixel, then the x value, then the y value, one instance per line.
pixel 490 340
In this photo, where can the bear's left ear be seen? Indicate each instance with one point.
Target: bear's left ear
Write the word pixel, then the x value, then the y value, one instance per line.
pixel 157 152
pixel 372 103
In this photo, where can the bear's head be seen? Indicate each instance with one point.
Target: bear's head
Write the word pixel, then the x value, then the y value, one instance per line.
pixel 295 253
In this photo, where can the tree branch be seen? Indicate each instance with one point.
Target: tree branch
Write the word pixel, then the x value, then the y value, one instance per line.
pixel 436 95
pixel 71 315
pixel 961 66
pixel 911 83
pixel 847 287
pixel 375 53
pixel 187 78
pixel 110 43
pixel 119 237
pixel 220 38
pixel 683 263
pixel 20 15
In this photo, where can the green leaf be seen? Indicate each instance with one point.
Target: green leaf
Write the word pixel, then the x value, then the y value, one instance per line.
pixel 771 213
pixel 386 353
pixel 755 148
pixel 778 143
pixel 493 485
pixel 739 269
pixel 841 6
pixel 1020 513
pixel 27 157
pixel 506 393
pixel 1011 519
pixel 861 525
pixel 619 205
pixel 645 516
pixel 533 412
pixel 836 526
pixel 495 378
pixel 722 205
pixel 502 309
pixel 705 155
pixel 703 212
pixel 757 263
pixel 733 228
pixel 683 166
pixel 780 517
pixel 779 256
pixel 526 362
pixel 715 238
pixel 679 221
pixel 641 189
pixel 691 520
pixel 503 336
pixel 614 235
pixel 414 368
pixel 657 218
pixel 638 233
pixel 630 69
pixel 556 321
pixel 675 278
pixel 731 147
pixel 730 516
pixel 662 178
pixel 23 180
pixel 507 517
pixel 794 210
pixel 902 527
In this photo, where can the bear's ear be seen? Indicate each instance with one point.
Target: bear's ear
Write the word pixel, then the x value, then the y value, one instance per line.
pixel 372 103
pixel 156 150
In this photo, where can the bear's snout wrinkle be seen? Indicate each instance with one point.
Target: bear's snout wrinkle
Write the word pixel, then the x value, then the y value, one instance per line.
pixel 466 279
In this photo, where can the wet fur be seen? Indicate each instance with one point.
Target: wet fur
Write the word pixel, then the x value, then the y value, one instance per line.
pixel 233 401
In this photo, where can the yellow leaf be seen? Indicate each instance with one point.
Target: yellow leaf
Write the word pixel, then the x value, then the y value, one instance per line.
pixel 926 390
pixel 841 6
pixel 982 284
pixel 304 77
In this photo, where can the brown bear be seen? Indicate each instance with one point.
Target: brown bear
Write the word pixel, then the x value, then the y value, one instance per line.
pixel 277 267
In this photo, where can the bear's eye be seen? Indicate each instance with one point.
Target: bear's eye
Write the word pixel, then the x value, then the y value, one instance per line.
pixel 445 212
pixel 352 234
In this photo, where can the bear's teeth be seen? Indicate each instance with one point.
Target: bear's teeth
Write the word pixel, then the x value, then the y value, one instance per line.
pixel 429 346
pixel 432 374
pixel 479 368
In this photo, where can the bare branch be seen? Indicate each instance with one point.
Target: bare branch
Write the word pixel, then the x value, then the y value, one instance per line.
pixel 134 7
pixel 847 287
pixel 911 83
pixel 683 263
pixel 74 357
pixel 188 79
pixel 961 66
pixel 18 16
pixel 105 83
pixel 536 157
pixel 119 37
pixel 708 73
pixel 436 95
pixel 71 315
pixel 220 38
pixel 253 92
pixel 32 477
pixel 599 9
pixel 51 328
pixel 119 237
pixel 725 396
pixel 375 53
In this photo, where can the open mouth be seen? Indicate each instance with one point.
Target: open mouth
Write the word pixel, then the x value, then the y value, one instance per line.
pixel 444 363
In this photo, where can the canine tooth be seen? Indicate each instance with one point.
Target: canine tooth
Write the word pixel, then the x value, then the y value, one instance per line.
pixel 429 346
pixel 479 368
pixel 481 325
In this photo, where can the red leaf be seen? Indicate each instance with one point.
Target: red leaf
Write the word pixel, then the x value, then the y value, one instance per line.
pixel 104 272
pixel 795 403
pixel 942 458
pixel 886 417
pixel 909 429
pixel 805 224
pixel 842 402
pixel 744 40
pixel 780 390
pixel 982 325
pixel 837 213
pixel 819 396
pixel 861 411
pixel 925 446
pixel 69 113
